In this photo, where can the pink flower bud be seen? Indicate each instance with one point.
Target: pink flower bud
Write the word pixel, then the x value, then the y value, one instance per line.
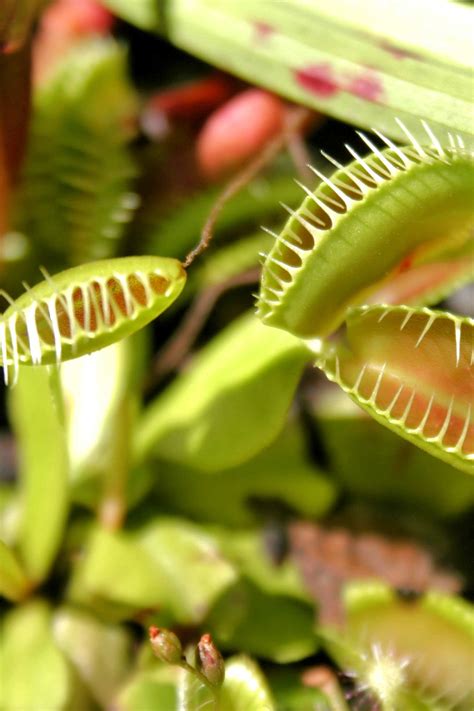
pixel 211 663
pixel 166 646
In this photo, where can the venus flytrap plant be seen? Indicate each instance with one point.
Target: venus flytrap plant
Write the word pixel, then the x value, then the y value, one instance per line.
pixel 400 209
pixel 387 648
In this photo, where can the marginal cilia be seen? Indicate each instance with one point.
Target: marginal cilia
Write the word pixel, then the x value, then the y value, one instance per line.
pixel 84 309
pixel 358 226
pixel 403 212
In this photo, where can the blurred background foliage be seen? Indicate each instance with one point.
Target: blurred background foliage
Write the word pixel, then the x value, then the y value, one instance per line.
pixel 201 475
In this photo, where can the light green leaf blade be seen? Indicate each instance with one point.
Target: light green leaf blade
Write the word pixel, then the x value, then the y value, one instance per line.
pixel 236 496
pixel 37 420
pixel 99 437
pixel 100 653
pixel 13 581
pixel 244 618
pixel 230 404
pixel 142 13
pixel 34 673
pixel 245 688
pixel 363 65
pixel 155 687
pixel 412 371
pixel 246 549
pixel 193 694
pixel 170 565
pixel 359 450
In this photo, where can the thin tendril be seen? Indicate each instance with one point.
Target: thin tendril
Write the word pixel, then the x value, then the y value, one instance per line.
pixel 295 121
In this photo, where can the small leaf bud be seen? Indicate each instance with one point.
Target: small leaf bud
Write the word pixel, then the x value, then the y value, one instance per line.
pixel 211 663
pixel 166 646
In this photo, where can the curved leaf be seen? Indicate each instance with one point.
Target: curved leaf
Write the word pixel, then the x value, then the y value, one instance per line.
pixel 412 371
pixel 13 581
pixel 35 674
pixel 406 634
pixel 361 64
pixel 171 565
pixel 230 404
pixel 99 653
pixel 358 447
pixel 244 617
pixel 245 688
pixel 37 419
pixel 281 472
pixel 363 227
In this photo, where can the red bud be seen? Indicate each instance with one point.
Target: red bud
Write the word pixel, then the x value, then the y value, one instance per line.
pixel 166 646
pixel 210 661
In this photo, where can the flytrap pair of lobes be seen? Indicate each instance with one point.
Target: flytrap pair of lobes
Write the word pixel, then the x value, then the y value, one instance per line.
pixel 392 228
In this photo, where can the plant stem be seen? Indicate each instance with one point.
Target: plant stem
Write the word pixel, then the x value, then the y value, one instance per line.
pixel 296 119
pixel 214 691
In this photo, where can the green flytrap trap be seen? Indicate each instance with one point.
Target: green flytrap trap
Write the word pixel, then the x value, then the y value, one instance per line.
pixel 398 223
pixel 368 250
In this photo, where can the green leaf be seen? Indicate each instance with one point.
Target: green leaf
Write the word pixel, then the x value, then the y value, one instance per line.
pixel 34 673
pixel 99 437
pixel 246 550
pixel 169 565
pixel 193 694
pixel 230 404
pixel 13 581
pixel 75 198
pixel 365 67
pixel 279 473
pixel 100 653
pixel 150 689
pixel 407 634
pixel 37 419
pixel 360 450
pixel 391 211
pixel 244 618
pixel 245 688
pixel 412 371
pixel 291 695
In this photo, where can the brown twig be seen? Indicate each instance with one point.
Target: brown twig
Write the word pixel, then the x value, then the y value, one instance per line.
pixel 297 117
